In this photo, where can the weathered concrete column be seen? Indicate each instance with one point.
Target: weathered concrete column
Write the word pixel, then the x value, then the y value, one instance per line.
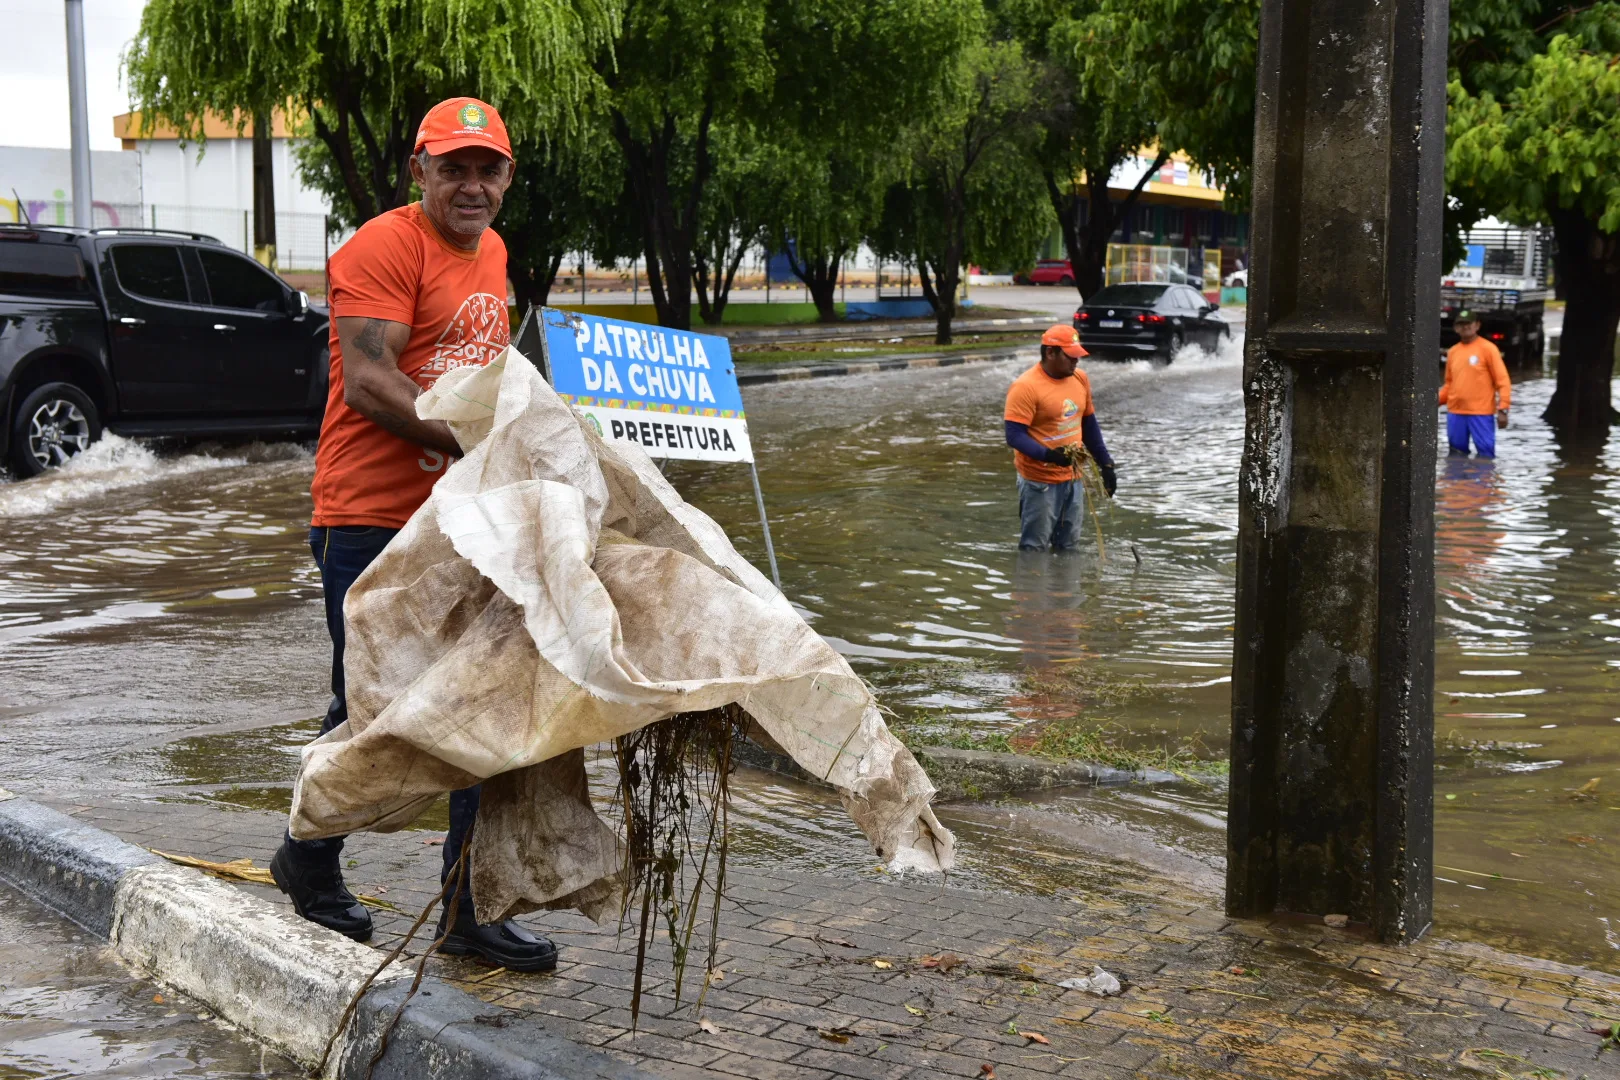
pixel 1333 668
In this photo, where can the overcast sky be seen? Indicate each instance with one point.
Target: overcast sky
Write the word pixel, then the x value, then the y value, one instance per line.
pixel 33 80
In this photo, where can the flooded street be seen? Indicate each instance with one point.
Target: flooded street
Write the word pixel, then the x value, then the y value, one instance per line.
pixel 71 1011
pixel 161 629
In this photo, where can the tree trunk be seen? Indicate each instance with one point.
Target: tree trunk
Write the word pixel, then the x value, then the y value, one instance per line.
pixel 1066 205
pixel 820 277
pixel 264 191
pixel 376 175
pixel 532 282
pixel 669 226
pixel 713 272
pixel 1087 245
pixel 1589 271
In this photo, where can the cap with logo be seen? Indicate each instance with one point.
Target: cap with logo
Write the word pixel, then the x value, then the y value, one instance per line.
pixel 1464 316
pixel 1065 338
pixel 460 122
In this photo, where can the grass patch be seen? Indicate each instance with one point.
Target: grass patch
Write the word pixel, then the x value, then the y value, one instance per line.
pixel 1082 691
pixel 1109 744
pixel 1074 739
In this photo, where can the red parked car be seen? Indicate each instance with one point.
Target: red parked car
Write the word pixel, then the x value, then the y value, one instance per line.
pixel 1052 272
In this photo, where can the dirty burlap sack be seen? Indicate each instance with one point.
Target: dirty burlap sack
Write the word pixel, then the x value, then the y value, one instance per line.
pixel 555 592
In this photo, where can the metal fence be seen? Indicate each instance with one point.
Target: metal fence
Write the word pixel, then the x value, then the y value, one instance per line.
pixel 303 241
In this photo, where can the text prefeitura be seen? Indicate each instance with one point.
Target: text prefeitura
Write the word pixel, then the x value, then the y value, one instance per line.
pixel 650 347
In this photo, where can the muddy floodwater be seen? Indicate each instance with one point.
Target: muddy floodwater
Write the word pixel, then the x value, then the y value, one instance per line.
pixel 71 1011
pixel 161 629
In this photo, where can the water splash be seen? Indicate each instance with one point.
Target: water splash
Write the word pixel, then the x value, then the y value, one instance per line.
pixel 115 462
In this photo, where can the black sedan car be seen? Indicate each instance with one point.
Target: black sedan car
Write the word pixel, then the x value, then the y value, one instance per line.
pixel 1143 319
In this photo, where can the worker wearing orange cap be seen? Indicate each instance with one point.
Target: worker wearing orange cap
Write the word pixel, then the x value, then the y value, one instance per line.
pixel 1049 407
pixel 416 292
pixel 1476 389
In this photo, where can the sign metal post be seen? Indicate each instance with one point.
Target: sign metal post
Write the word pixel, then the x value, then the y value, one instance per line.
pixel 671 392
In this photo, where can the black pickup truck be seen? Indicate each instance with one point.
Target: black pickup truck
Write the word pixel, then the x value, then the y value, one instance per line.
pixel 144 332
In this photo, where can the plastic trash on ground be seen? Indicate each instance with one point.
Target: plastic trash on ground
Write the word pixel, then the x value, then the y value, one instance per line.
pixel 1099 982
pixel 556 592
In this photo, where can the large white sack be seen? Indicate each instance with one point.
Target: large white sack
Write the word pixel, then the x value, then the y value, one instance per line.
pixel 555 592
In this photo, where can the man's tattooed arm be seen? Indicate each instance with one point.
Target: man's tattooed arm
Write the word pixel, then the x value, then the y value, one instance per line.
pixel 374 386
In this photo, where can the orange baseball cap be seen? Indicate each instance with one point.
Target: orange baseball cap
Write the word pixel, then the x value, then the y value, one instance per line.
pixel 1065 338
pixel 462 121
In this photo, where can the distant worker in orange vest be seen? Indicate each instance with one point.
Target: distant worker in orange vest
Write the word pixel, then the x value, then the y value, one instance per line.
pixel 1048 411
pixel 1476 389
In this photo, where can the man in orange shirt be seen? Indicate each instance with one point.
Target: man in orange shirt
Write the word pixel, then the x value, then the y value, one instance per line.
pixel 414 293
pixel 1476 388
pixel 1048 408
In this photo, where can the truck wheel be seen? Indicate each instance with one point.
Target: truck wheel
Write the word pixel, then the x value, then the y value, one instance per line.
pixel 54 422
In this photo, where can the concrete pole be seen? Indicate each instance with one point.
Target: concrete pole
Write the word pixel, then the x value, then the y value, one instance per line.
pixel 1331 807
pixel 78 114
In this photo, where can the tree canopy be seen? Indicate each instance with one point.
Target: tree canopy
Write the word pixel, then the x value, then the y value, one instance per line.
pixel 1534 137
pixel 1122 79
pixel 364 72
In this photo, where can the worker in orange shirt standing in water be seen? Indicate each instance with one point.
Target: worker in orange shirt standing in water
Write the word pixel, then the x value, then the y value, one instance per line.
pixel 1048 410
pixel 415 293
pixel 1477 393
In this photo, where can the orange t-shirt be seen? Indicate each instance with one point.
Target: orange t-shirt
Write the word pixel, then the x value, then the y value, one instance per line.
pixel 1475 374
pixel 1052 409
pixel 397 267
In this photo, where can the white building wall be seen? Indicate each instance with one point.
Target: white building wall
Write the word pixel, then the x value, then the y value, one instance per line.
pixel 218 175
pixel 42 178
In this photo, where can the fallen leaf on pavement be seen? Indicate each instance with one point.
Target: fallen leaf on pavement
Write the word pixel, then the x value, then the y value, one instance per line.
pixel 882 965
pixel 837 1035
pixel 942 962
pixel 709 1026
pixel 988 1071
pixel 1036 1037
pixel 914 1011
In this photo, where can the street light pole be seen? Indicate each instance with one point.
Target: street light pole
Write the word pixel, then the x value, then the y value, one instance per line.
pixel 78 113
pixel 1331 806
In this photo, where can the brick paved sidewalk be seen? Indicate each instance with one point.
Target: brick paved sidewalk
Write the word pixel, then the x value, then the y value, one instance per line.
pixel 825 976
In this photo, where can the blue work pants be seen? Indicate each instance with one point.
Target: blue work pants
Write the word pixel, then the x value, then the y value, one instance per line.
pixel 1459 427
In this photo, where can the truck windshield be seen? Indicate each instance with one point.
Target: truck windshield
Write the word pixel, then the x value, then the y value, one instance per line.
pixel 33 269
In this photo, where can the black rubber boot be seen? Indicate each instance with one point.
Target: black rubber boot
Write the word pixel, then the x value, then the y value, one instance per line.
pixel 505 944
pixel 319 895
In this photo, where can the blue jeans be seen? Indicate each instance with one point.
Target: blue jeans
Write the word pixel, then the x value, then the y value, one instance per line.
pixel 341 553
pixel 1049 514
pixel 1481 428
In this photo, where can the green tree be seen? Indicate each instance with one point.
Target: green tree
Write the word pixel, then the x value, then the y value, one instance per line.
pixel 682 73
pixel 972 191
pixel 858 74
pixel 1124 78
pixel 1534 137
pixel 566 196
pixel 749 181
pixel 836 200
pixel 364 72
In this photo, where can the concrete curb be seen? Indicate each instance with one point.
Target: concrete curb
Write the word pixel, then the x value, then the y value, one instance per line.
pixel 869 367
pixel 276 977
pixel 973 774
